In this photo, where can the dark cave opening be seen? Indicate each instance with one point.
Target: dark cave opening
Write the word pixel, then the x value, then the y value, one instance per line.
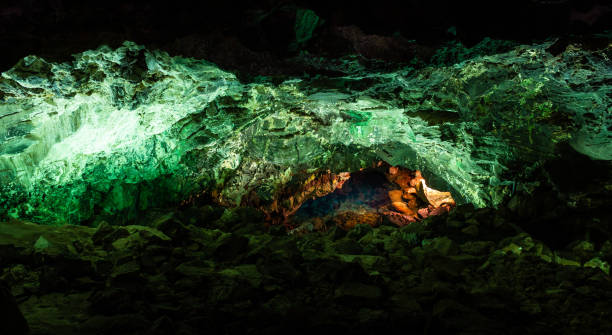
pixel 373 196
pixel 366 190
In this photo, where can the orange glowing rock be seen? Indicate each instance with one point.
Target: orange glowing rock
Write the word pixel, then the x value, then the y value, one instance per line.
pixel 413 187
pixel 398 204
pixel 399 176
pixel 409 192
pixel 395 195
pixel 434 197
pixel 349 219
pixel 414 182
pixel 423 212
pixel 398 219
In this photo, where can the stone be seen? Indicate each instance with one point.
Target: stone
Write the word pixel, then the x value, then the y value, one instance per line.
pixel 394 277
pixel 116 324
pixel 406 304
pixel 129 270
pixel 195 269
pixel 348 246
pixel 103 230
pixel 277 230
pixel 471 230
pixel 397 219
pixel 278 266
pixel 441 245
pixel 170 226
pixel 423 213
pixel 359 231
pixel 477 247
pixel 335 233
pixel 246 272
pixel 358 291
pixel 451 315
pixel 584 249
pixel 41 244
pixel 57 313
pixel 434 197
pixel 348 220
pixel 565 262
pixel 598 264
pixel 231 247
pixel 372 265
pixel 240 218
pixel 202 216
pixel 163 325
pixel 531 307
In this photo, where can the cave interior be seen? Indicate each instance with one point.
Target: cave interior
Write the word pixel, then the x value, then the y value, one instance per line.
pixel 290 166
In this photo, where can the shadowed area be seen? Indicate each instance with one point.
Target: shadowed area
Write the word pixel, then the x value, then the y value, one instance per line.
pixel 368 189
pixel 372 196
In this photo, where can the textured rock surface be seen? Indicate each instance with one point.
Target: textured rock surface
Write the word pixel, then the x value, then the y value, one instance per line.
pixel 120 131
pixel 470 271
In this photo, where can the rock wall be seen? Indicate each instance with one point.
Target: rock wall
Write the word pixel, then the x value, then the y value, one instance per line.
pixel 115 132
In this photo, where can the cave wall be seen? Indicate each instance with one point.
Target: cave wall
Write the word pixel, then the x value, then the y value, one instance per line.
pixel 116 131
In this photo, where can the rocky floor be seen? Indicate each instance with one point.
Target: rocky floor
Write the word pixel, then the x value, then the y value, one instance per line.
pixel 210 270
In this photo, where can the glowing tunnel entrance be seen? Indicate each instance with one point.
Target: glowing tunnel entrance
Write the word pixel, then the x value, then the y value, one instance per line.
pixel 371 196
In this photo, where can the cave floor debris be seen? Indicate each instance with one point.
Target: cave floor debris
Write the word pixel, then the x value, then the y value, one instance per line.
pixel 472 270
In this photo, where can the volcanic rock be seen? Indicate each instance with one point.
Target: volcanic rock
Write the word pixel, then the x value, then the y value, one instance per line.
pixel 66 128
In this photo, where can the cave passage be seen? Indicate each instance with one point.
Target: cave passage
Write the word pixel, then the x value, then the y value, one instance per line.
pixel 372 196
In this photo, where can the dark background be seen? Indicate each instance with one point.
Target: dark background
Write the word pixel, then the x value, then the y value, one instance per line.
pixel 254 35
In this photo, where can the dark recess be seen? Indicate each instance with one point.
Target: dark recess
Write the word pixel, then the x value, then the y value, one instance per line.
pixel 259 32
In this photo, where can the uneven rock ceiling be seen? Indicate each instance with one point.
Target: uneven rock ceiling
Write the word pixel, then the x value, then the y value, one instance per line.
pixel 115 132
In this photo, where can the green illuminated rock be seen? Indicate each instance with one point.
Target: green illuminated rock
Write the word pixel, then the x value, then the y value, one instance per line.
pixel 306 21
pixel 115 132
pixel 106 132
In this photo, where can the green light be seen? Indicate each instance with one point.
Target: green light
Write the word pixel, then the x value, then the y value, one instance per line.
pixel 116 132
